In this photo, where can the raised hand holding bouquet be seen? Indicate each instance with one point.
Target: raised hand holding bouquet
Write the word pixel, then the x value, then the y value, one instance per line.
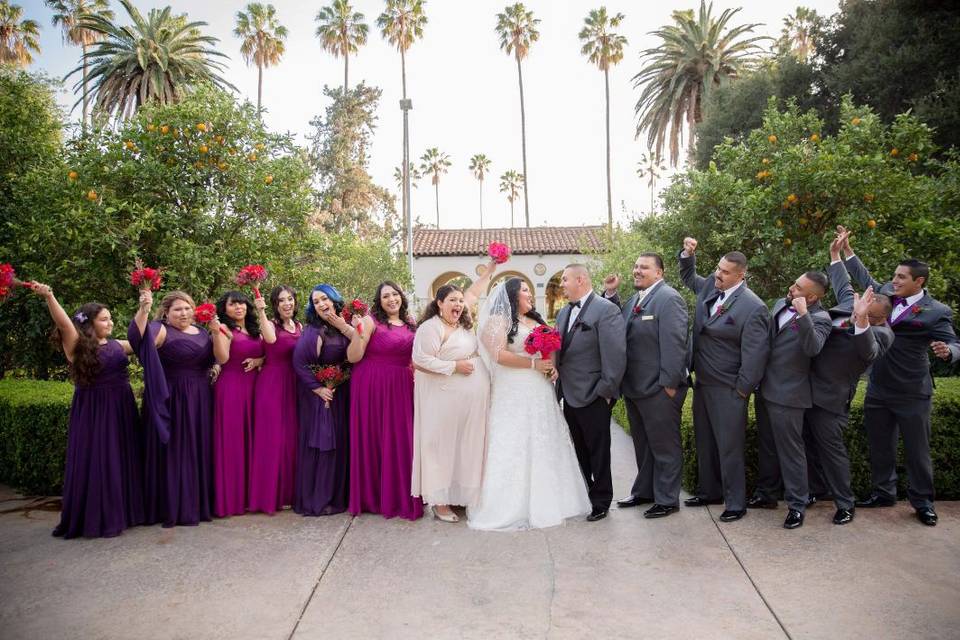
pixel 205 313
pixel 253 275
pixel 8 280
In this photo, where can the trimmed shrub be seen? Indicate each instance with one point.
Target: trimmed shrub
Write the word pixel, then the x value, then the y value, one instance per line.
pixel 33 434
pixel 944 443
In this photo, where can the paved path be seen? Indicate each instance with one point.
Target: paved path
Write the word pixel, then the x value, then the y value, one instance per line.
pixel 883 576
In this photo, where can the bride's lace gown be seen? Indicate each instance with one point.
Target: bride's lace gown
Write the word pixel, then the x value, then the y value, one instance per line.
pixel 531 478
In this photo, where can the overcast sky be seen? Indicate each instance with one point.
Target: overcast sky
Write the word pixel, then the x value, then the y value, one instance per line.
pixel 465 97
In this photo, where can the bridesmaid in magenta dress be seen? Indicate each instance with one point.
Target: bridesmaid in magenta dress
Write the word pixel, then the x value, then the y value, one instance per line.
pixel 381 409
pixel 274 454
pixel 239 350
pixel 102 484
pixel 321 486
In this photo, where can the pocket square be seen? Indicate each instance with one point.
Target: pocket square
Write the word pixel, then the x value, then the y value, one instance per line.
pixel 646 317
pixel 729 320
pixel 585 327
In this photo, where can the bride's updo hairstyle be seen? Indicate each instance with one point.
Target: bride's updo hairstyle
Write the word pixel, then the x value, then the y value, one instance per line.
pixel 512 288
pixel 433 309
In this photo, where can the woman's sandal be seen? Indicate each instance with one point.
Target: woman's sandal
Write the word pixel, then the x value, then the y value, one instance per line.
pixel 445 517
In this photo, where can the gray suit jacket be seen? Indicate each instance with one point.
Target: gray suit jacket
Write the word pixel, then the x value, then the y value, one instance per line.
pixel 786 380
pixel 728 349
pixel 656 342
pixel 834 373
pixel 593 356
pixel 905 368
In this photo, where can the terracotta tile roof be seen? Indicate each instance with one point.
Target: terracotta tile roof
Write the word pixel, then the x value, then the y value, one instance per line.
pixel 533 240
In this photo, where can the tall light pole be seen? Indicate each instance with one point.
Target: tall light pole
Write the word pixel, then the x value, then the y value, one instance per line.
pixel 406 105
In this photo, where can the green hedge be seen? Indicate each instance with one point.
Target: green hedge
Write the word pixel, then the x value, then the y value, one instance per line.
pixel 944 443
pixel 33 434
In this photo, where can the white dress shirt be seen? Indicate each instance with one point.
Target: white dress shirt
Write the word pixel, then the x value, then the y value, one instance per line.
pixel 575 311
pixel 725 295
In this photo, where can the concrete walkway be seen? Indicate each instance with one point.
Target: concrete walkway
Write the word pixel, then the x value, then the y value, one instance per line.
pixel 883 576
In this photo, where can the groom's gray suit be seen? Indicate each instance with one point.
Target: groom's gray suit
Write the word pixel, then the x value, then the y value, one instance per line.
pixel 590 365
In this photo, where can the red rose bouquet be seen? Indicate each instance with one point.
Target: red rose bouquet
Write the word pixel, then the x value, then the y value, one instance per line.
pixel 8 280
pixel 206 312
pixel 355 307
pixel 252 274
pixel 145 277
pixel 499 252
pixel 543 340
pixel 331 376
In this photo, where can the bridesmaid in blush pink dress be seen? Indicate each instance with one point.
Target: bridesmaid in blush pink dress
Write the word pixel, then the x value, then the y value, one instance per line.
pixel 274 453
pixel 381 409
pixel 240 352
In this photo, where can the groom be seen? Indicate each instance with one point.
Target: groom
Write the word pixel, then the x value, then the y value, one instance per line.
pixel 590 364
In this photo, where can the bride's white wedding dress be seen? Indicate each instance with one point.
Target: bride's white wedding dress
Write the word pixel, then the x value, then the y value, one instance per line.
pixel 531 478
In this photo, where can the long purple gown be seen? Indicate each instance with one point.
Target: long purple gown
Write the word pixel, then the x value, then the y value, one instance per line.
pixel 233 426
pixel 381 427
pixel 103 483
pixel 178 472
pixel 274 455
pixel 323 451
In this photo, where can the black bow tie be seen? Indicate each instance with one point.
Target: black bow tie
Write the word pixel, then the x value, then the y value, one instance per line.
pixel 574 304
pixel 722 296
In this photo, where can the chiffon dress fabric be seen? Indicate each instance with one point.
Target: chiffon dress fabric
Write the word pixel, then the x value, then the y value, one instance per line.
pixel 275 426
pixel 103 482
pixel 323 441
pixel 381 426
pixel 233 426
pixel 450 416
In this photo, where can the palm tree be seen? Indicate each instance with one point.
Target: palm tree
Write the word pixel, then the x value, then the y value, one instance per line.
pixel 798 31
pixel 517 29
pixel 511 183
pixel 342 31
pixel 696 55
pixel 414 176
pixel 262 37
pixel 604 48
pixel 650 168
pixel 479 165
pixel 157 58
pixel 435 163
pixel 68 15
pixel 17 37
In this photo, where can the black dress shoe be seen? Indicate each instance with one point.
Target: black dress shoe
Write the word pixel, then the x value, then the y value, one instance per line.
pixel 875 501
pixel 758 502
pixel 659 511
pixel 927 516
pixel 697 501
pixel 843 516
pixel 730 516
pixel 633 501
pixel 598 513
pixel 794 519
pixel 811 500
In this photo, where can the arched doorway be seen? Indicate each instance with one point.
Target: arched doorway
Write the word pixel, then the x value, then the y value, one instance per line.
pixel 554 296
pixel 450 277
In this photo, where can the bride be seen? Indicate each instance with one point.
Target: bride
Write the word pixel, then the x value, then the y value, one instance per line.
pixel 531 477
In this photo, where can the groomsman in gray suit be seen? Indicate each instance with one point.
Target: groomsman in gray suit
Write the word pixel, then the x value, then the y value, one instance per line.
pixel 900 389
pixel 654 386
pixel 799 326
pixel 729 348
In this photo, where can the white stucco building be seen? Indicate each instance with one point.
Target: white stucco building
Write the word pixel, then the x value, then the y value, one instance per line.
pixel 539 255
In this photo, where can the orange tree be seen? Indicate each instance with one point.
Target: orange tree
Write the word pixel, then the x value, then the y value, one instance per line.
pixel 778 195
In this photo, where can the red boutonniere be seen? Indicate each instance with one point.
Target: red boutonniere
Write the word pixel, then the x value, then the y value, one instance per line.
pixel 844 324
pixel 916 309
pixel 637 309
pixel 721 310
pixel 794 326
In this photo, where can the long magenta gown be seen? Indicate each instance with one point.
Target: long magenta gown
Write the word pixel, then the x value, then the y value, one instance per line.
pixel 103 484
pixel 233 426
pixel 381 427
pixel 274 454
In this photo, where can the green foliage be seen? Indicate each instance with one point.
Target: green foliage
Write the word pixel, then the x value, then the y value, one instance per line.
pixel 33 434
pixel 944 443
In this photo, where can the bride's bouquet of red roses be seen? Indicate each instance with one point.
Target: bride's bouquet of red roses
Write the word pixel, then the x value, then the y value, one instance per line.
pixel 543 340
pixel 499 252
pixel 252 274
pixel 330 375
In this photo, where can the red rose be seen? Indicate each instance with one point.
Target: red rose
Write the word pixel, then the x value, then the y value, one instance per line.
pixel 499 252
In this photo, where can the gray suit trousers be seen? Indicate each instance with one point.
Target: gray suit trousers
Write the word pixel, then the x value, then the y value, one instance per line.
pixel 884 416
pixel 826 430
pixel 780 432
pixel 720 424
pixel 655 428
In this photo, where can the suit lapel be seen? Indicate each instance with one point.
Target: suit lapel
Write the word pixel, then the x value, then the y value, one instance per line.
pixel 567 337
pixel 727 303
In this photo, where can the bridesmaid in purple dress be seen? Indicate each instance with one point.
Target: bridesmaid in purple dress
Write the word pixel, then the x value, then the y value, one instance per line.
pixel 102 485
pixel 239 351
pixel 177 357
pixel 274 454
pixel 381 409
pixel 321 485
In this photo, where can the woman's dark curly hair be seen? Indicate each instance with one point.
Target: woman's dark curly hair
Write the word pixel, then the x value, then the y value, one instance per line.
pixel 250 322
pixel 85 364
pixel 512 287
pixel 433 309
pixel 275 303
pixel 376 310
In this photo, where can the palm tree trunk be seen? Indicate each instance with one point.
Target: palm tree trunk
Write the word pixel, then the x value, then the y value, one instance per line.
pixel 259 86
pixel 436 189
pixel 403 72
pixel 85 98
pixel 693 116
pixel 653 186
pixel 481 203
pixel 346 68
pixel 511 214
pixel 523 142
pixel 606 86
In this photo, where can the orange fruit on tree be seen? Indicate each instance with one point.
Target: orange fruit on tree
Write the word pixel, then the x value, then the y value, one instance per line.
pixel 856 122
pixel 787 242
pixel 91 195
pixel 815 137
pixel 151 127
pixel 791 198
pixel 868 197
pixel 165 129
pixel 252 157
pixel 219 139
pixel 73 175
pixel 765 161
pixel 268 180
pixel 129 144
pixel 913 157
pixel 894 152
pixel 259 146
pixel 772 139
pixel 872 223
pixel 201 126
pixel 203 148
pixel 222 166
